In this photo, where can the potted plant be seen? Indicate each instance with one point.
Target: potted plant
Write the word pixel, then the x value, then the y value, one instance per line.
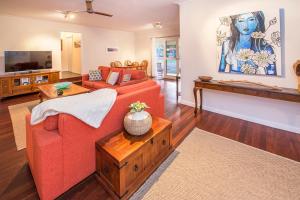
pixel 138 121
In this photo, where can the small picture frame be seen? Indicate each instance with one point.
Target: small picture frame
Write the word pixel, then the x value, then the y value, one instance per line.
pixel 112 49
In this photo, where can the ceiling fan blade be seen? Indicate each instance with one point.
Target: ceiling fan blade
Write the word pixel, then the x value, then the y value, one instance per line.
pixel 103 14
pixel 79 11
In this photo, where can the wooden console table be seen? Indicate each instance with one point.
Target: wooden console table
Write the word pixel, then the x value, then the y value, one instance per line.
pixel 285 94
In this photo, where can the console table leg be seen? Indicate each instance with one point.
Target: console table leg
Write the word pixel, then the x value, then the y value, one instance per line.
pixel 177 93
pixel 201 99
pixel 196 100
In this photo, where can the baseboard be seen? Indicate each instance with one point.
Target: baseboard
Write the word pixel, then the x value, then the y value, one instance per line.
pixel 247 118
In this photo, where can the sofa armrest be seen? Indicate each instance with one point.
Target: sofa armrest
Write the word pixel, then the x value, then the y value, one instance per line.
pixel 79 148
pixel 85 77
pixel 47 162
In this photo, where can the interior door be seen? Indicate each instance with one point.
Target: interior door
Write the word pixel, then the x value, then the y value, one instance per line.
pixel 66 54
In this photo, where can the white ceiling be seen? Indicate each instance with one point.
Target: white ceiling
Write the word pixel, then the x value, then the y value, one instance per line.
pixel 129 15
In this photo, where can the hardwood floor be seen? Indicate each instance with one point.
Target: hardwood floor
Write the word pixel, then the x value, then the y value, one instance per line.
pixel 17 183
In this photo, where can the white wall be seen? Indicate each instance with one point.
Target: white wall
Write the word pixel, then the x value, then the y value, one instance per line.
pixel 19 33
pixel 198 24
pixel 143 43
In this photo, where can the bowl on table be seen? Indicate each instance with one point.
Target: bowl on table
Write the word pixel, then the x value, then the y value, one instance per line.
pixel 62 85
pixel 205 78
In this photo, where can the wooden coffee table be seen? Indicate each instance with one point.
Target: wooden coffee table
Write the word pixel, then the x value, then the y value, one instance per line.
pixel 48 91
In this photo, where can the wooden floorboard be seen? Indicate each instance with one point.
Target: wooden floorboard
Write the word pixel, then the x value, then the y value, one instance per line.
pixel 17 183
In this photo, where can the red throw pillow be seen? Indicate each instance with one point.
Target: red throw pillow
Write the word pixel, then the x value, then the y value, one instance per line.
pixel 104 72
pixel 136 74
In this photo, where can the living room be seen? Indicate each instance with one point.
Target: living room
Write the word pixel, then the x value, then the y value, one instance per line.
pixel 154 99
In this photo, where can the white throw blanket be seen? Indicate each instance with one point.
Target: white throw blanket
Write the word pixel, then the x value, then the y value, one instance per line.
pixel 91 108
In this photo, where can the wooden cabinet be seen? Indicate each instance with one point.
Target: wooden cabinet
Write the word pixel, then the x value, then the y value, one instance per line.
pixel 124 162
pixel 5 87
pixel 15 84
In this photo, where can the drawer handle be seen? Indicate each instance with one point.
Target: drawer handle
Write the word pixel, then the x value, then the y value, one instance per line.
pixel 151 141
pixel 164 142
pixel 135 168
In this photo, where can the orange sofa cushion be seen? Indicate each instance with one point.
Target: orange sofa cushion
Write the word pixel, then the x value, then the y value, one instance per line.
pixel 104 72
pixel 136 74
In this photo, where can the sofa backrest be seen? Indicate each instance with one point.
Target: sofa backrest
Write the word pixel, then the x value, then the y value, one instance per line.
pixel 135 74
pixel 135 87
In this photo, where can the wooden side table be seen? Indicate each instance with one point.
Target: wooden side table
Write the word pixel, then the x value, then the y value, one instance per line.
pixel 124 162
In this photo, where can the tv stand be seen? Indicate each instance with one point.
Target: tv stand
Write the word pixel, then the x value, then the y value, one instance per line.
pixel 23 83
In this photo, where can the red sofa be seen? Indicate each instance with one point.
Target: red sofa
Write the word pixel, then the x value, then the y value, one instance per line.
pixel 137 76
pixel 61 149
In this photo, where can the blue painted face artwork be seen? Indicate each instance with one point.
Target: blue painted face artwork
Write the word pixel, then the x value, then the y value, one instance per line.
pixel 246 23
pixel 246 50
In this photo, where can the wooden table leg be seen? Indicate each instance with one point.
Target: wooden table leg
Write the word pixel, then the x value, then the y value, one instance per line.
pixel 177 94
pixel 201 99
pixel 196 100
pixel 41 97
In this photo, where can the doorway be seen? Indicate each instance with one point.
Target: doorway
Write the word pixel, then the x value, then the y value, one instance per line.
pixel 71 52
pixel 165 58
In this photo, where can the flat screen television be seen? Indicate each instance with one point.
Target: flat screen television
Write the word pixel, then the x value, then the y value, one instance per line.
pixel 16 61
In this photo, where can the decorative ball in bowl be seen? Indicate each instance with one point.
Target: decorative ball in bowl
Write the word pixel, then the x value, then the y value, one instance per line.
pixel 205 78
pixel 138 121
pixel 62 85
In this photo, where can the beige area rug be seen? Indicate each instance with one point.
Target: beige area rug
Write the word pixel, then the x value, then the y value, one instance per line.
pixel 17 115
pixel 210 167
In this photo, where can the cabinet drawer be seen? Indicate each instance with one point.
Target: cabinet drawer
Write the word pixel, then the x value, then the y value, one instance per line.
pixel 22 89
pixel 5 87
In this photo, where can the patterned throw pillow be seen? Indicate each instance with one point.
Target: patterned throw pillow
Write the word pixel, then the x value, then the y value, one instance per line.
pixel 126 77
pixel 95 75
pixel 112 78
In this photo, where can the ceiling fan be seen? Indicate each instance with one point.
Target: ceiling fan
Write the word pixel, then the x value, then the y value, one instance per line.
pixel 89 9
